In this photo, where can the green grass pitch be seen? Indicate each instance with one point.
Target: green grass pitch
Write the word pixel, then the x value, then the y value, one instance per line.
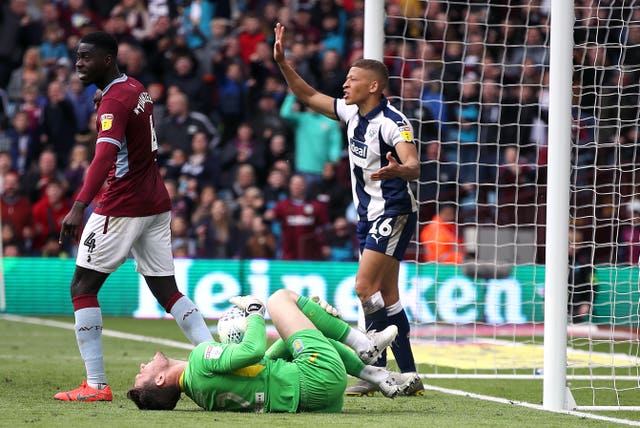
pixel 37 361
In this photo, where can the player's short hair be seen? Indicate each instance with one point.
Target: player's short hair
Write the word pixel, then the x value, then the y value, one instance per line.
pixel 377 67
pixel 103 41
pixel 151 397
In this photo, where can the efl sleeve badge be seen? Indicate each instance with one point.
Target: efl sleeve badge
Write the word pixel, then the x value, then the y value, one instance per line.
pixel 106 121
pixel 406 133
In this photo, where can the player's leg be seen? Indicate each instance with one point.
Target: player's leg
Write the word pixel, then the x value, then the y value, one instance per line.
pixel 403 230
pixel 384 242
pixel 99 253
pixel 382 378
pixel 369 285
pixel 389 383
pixel 322 373
pixel 287 309
pixel 285 314
pixel 401 347
pixel 152 252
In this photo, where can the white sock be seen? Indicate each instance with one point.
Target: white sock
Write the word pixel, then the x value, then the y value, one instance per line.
pixel 396 308
pixel 373 304
pixel 88 330
pixel 357 340
pixel 190 321
pixel 374 375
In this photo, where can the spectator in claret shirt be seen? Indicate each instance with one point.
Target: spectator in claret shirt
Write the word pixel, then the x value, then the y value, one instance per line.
pixel 301 221
pixel 48 213
pixel 40 174
pixel 15 209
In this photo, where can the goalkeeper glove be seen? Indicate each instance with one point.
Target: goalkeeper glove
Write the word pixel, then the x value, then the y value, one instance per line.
pixel 249 304
pixel 326 306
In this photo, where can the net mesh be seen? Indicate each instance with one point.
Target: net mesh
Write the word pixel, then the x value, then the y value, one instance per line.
pixel 473 77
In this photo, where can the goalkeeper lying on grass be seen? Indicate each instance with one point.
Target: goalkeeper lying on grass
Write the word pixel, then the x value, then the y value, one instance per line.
pixel 306 371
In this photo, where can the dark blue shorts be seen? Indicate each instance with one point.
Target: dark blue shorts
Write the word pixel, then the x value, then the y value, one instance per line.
pixel 389 235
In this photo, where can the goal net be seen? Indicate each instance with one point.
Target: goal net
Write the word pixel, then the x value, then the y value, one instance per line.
pixel 473 77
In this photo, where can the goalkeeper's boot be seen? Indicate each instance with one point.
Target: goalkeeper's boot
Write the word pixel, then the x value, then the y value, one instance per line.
pixel 85 393
pixel 409 384
pixel 389 387
pixel 379 340
pixel 363 388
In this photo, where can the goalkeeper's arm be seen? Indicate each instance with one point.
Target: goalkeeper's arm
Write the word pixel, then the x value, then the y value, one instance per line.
pixel 253 346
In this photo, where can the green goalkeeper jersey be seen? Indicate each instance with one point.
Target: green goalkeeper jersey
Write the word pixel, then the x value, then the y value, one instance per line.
pixel 237 377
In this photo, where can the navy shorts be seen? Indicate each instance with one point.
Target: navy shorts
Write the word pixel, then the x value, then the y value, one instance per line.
pixel 389 235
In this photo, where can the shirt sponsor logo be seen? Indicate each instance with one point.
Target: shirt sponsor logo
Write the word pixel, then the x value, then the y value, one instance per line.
pixel 212 352
pixel 106 121
pixel 406 133
pixel 358 148
pixel 300 220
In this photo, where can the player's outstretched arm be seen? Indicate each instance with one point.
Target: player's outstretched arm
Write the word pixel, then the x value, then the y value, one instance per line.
pixel 317 101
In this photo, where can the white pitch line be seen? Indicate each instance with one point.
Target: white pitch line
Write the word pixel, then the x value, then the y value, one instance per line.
pixel 528 405
pixel 105 332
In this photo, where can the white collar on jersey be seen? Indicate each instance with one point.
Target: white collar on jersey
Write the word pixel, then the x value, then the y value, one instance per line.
pixel 123 77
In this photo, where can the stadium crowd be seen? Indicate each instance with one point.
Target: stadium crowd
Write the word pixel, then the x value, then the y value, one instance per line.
pixel 234 145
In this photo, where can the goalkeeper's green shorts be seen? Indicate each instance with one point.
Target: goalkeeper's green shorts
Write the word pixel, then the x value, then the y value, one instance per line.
pixel 323 377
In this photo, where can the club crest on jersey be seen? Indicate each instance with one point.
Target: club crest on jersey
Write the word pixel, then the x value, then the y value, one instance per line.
pixel 298 346
pixel 406 133
pixel 106 121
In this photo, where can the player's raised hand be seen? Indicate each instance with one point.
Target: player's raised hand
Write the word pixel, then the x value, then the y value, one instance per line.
pixel 278 44
pixel 392 170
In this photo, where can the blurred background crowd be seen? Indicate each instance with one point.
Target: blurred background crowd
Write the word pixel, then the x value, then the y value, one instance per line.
pixel 237 151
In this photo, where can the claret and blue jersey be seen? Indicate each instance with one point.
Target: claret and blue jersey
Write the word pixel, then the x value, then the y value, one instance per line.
pixel 125 119
pixel 371 137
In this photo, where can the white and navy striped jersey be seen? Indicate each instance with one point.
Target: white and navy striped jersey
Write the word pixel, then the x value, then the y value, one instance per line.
pixel 371 137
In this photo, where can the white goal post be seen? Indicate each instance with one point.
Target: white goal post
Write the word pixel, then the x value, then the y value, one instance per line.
pixel 528 121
